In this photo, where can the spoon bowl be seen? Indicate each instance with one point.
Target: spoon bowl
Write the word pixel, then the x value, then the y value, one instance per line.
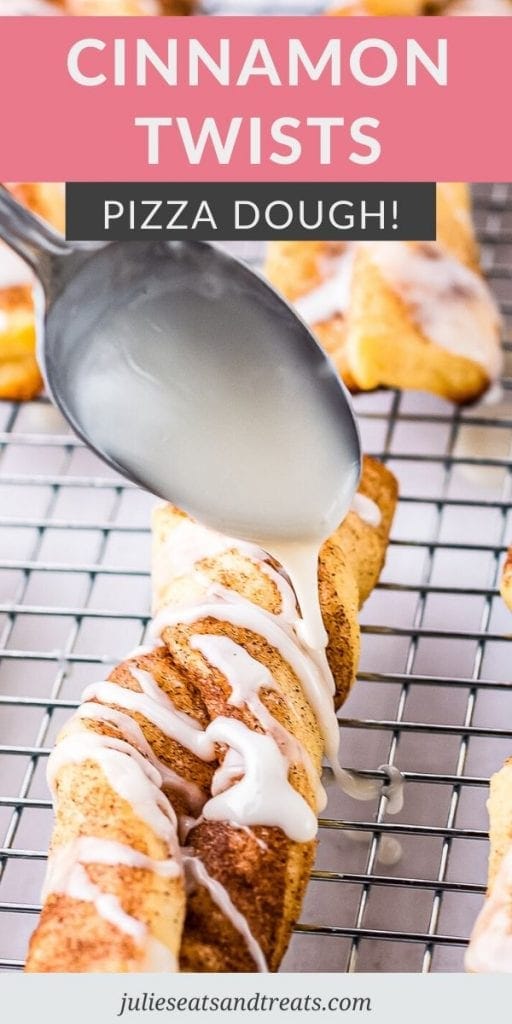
pixel 185 371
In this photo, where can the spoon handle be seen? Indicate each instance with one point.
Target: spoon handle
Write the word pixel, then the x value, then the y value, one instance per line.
pixel 28 235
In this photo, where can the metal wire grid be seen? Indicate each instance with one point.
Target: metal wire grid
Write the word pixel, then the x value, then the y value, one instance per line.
pixel 433 691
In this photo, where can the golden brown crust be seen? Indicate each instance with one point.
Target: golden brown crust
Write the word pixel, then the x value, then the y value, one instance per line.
pixel 268 887
pixel 86 805
pixel 506 580
pixel 71 936
pixel 263 872
pixel 356 574
pixel 489 947
pixel 20 378
pixel 378 8
pixel 266 883
pixel 251 877
pixel 124 8
pixel 500 820
pixel 46 199
pixel 385 347
pixel 378 343
pixel 415 7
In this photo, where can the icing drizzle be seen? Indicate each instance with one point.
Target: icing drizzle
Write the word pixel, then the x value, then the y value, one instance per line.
pixel 196 874
pixel 449 302
pixel 263 796
pixel 490 948
pixel 251 786
pixel 67 873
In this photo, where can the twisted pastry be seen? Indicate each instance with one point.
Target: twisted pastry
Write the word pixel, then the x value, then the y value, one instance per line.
pixel 416 7
pixel 400 314
pixel 124 8
pixel 378 8
pixel 212 735
pixel 490 948
pixel 506 579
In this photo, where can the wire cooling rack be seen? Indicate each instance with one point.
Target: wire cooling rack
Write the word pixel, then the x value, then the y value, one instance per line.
pixel 433 694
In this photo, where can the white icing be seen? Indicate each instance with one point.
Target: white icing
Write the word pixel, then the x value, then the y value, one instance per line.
pixel 302 648
pixel 301 561
pixel 288 612
pixel 332 296
pixel 389 850
pixel 154 704
pixel 92 850
pixel 393 789
pixel 78 886
pixel 67 874
pixel 366 509
pixel 480 7
pixel 264 795
pixel 317 682
pixel 450 303
pixel 196 871
pixel 131 731
pixel 361 787
pixel 231 768
pixel 246 677
pixel 189 543
pixel 127 772
pixel 357 786
pixel 258 621
pixel 490 948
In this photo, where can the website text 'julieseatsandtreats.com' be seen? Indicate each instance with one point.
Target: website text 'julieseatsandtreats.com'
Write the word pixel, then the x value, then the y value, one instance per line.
pixel 256 1003
pixel 255 509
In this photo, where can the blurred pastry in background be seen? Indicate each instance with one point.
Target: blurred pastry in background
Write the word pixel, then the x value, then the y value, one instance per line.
pixel 403 8
pixel 20 378
pixel 506 580
pixel 378 8
pixel 487 8
pixel 490 947
pixel 406 315
pixel 124 8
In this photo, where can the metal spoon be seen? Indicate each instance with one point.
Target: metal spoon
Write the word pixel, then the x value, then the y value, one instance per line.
pixel 186 372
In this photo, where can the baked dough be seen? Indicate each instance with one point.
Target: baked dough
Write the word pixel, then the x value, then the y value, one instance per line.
pixel 490 948
pixel 506 580
pixel 19 373
pixel 214 597
pixel 399 314
pixel 82 8
pixel 377 8
pixel 126 7
pixel 415 7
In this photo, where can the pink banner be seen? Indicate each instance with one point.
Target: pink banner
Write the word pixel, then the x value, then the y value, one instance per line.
pixel 248 99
